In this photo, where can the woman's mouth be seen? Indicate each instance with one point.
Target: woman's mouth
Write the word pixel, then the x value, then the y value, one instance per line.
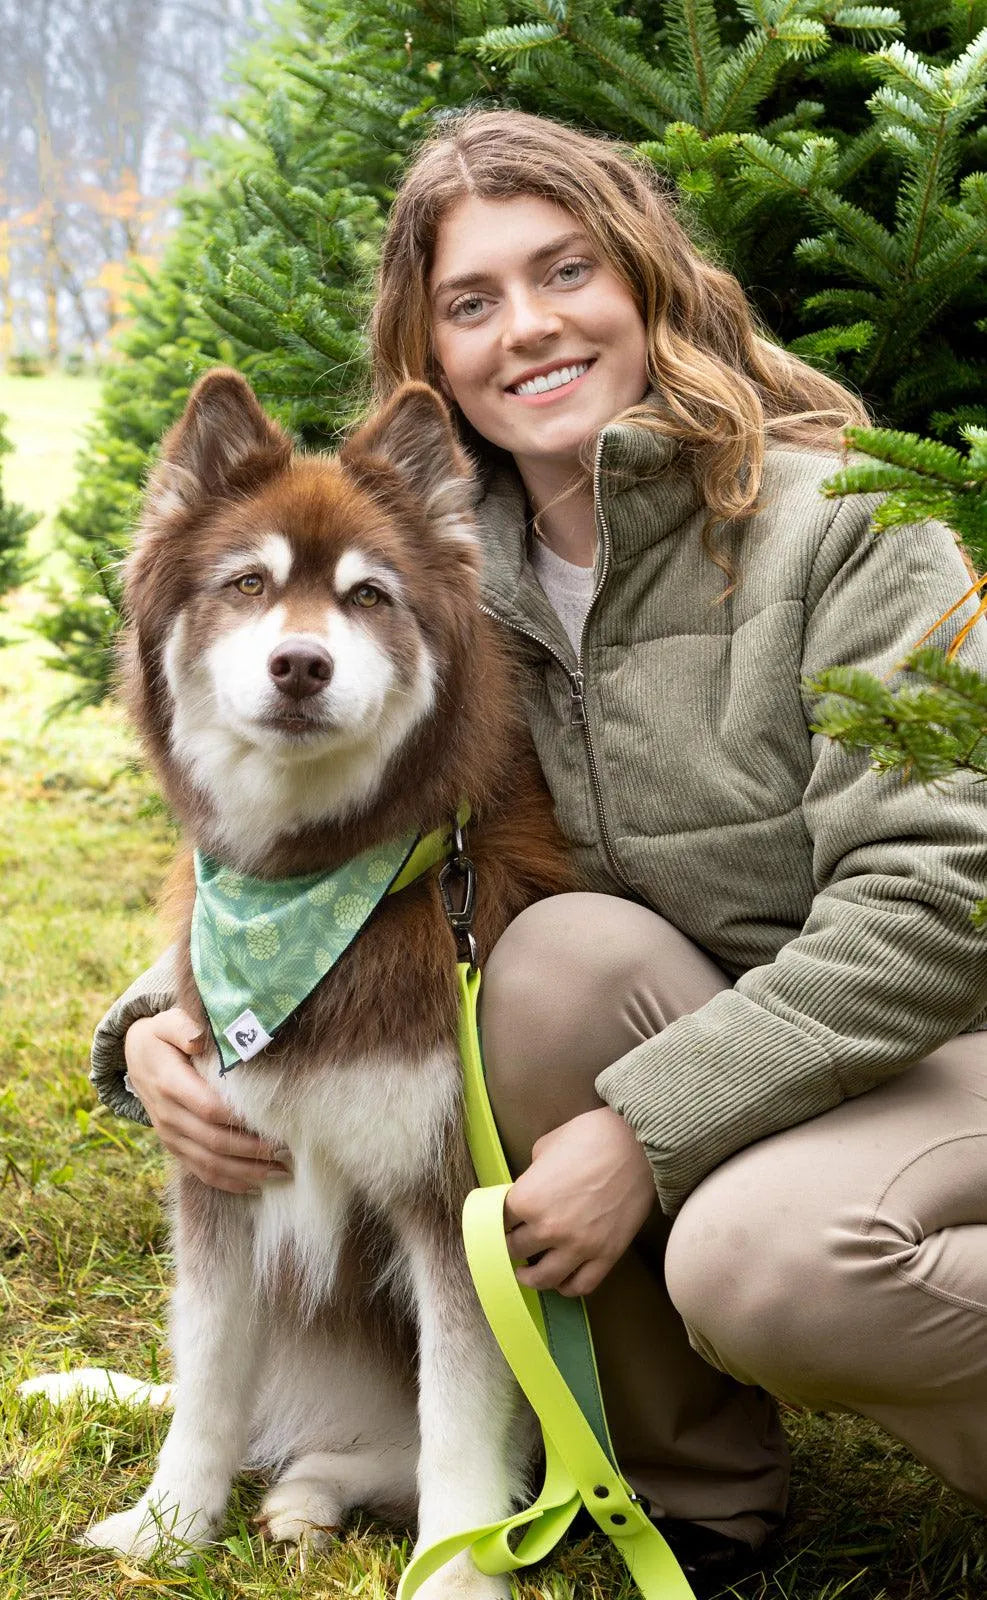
pixel 547 386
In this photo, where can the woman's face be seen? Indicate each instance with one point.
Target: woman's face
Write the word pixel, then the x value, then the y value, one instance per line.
pixel 521 295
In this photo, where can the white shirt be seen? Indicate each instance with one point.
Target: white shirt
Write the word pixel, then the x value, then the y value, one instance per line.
pixel 569 588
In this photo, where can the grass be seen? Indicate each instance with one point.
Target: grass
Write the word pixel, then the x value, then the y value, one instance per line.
pixel 45 422
pixel 84 1266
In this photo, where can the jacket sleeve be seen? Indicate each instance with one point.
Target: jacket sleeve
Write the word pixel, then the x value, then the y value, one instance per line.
pixel 152 992
pixel 888 965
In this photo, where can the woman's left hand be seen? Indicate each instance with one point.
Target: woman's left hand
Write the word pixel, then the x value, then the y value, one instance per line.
pixel 586 1193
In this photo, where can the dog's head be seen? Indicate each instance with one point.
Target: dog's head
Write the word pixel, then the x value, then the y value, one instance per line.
pixel 297 623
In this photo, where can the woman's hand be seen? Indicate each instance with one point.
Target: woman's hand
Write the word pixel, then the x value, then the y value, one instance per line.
pixel 586 1193
pixel 189 1118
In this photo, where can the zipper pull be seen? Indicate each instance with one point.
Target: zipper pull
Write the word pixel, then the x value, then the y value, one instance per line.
pixel 577 707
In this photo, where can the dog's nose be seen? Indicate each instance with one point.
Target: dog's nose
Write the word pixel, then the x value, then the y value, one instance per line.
pixel 300 668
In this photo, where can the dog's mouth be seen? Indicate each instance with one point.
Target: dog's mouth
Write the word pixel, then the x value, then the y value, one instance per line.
pixel 296 724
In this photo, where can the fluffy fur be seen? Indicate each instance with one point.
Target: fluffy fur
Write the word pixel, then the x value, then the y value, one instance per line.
pixel 308 665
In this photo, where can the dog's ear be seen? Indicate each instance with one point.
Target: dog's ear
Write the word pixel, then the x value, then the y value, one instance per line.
pixel 413 433
pixel 223 442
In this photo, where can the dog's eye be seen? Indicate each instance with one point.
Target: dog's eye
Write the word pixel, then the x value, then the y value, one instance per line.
pixel 365 594
pixel 251 583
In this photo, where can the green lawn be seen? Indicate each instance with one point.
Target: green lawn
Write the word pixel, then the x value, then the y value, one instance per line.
pixel 83 1260
pixel 46 418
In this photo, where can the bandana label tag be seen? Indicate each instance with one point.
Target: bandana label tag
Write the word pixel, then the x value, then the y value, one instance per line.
pixel 247 1036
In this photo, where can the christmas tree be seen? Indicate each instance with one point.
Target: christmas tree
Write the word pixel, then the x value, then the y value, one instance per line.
pixel 15 525
pixel 832 155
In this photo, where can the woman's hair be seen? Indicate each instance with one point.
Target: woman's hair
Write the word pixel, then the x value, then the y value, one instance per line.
pixel 721 384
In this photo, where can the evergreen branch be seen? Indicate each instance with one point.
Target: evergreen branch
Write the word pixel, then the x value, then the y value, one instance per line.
pixel 747 76
pixel 924 458
pixel 804 116
pixel 964 247
pixel 705 47
pixel 244 331
pixel 944 374
pixel 930 193
pixel 821 346
pixel 828 249
pixel 873 250
pixel 658 87
pixel 954 421
pixel 853 302
pixel 927 477
pixel 617 97
pixel 969 71
pixel 905 64
pixel 503 46
pixel 929 728
pixel 868 25
pixel 855 155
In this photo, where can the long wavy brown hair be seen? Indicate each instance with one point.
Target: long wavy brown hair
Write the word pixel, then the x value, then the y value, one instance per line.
pixel 719 384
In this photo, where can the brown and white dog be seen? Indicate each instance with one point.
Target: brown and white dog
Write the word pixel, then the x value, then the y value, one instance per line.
pixel 311 674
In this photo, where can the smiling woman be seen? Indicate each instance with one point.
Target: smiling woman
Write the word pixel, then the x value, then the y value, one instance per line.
pixel 510 278
pixel 739 1076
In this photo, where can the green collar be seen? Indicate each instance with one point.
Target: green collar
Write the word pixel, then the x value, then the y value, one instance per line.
pixel 260 945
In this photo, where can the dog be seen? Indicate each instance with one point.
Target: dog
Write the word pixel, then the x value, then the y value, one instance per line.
pixel 312 676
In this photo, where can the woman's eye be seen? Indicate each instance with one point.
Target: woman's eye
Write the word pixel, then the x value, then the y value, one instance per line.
pixel 366 595
pixel 469 307
pixel 250 583
pixel 572 271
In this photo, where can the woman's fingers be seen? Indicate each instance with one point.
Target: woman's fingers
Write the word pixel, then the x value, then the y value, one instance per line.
pixel 234 1175
pixel 522 1242
pixel 551 1270
pixel 186 1121
pixel 191 1119
pixel 174 1026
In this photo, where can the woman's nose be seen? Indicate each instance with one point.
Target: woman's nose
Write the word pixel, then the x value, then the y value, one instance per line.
pixel 529 319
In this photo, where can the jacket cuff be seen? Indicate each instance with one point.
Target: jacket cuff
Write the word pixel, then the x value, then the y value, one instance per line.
pixel 152 992
pixel 693 1096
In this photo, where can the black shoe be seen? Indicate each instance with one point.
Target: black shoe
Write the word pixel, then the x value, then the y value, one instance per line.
pixel 711 1561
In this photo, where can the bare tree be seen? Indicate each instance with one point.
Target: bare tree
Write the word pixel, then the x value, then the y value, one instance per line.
pixel 101 102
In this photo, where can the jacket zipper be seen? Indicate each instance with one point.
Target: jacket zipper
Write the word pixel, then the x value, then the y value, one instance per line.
pixel 577 682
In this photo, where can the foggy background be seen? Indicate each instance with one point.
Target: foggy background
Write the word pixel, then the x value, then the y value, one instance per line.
pixel 101 105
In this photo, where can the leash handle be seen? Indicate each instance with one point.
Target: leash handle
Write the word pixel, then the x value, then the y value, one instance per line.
pixel 569 1438
pixel 580 1464
pixel 577 1470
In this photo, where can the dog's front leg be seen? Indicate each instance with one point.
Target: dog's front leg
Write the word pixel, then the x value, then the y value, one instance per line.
pixel 473 1452
pixel 216 1333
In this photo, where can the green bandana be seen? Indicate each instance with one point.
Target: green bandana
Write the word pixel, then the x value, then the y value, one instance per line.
pixel 260 946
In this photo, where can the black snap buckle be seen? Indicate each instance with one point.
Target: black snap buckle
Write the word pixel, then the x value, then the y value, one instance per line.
pixel 457 886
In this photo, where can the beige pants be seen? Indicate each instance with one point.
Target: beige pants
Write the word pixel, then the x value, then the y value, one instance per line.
pixel 840 1264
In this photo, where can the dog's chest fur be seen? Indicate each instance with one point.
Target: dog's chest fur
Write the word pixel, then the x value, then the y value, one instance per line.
pixel 375 1123
pixel 362 1087
pixel 363 1135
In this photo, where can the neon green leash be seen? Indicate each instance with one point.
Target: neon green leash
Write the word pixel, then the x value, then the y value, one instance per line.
pixel 537 1334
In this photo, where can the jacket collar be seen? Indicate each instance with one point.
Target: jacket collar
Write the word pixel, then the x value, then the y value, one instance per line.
pixel 643 490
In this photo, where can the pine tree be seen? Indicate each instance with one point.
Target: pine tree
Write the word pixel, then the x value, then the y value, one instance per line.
pixel 15 525
pixel 933 723
pixel 833 155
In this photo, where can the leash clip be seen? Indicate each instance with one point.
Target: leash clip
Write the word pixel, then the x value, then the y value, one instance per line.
pixel 457 886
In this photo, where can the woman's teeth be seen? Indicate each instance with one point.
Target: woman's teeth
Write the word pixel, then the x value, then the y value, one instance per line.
pixel 552 380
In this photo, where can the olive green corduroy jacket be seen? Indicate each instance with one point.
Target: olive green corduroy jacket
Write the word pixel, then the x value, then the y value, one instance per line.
pixel 679 753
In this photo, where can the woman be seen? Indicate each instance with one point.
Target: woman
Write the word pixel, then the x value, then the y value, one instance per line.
pixel 758 1005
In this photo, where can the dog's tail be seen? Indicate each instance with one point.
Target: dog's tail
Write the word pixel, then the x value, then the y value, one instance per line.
pixel 98 1383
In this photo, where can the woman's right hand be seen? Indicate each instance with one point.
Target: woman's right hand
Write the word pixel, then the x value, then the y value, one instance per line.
pixel 191 1120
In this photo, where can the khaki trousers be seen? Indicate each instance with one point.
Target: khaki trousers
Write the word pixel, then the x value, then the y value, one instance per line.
pixel 840 1264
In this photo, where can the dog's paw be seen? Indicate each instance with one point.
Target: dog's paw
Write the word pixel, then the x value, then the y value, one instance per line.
pixel 147 1530
pixel 96 1383
pixel 300 1511
pixel 459 1579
